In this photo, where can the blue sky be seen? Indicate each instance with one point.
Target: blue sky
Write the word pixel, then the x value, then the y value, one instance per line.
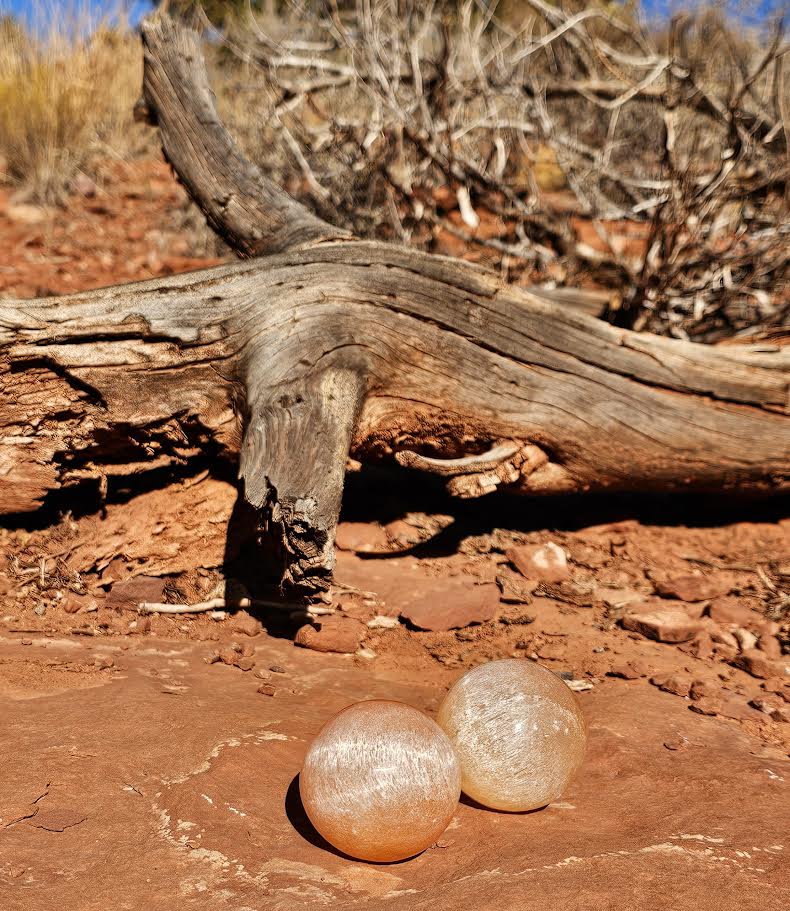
pixel 757 10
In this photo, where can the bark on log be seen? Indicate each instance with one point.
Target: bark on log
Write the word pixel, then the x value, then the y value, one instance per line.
pixel 292 360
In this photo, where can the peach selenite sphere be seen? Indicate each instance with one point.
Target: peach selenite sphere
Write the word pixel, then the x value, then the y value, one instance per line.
pixel 380 781
pixel 517 731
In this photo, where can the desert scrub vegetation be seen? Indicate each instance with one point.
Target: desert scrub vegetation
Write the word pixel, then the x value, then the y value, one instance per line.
pixel 67 93
pixel 507 124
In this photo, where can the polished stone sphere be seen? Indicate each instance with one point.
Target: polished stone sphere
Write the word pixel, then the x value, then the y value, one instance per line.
pixel 380 782
pixel 518 733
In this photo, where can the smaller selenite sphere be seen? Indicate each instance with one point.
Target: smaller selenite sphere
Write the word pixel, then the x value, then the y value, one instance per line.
pixel 518 733
pixel 380 782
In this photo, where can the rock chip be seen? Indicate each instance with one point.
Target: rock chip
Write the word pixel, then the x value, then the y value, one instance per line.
pixel 128 595
pixel 666 624
pixel 74 603
pixel 332 634
pixel 450 604
pixel 694 588
pixel 515 588
pixel 677 684
pixel 701 689
pixel 758 664
pixel 245 624
pixel 543 562
pixel 629 670
pixel 726 707
pixel 729 611
pixel 701 646
pixel 381 621
pixel 618 597
pixel 677 744
pixel 770 645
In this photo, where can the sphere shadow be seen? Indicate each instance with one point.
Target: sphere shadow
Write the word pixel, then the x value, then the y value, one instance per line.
pixel 297 816
pixel 471 802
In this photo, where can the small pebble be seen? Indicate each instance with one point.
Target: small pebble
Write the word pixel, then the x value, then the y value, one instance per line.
pixel 382 622
pixel 277 669
pixel 266 689
pixel 27 642
pixel 579 686
pixel 676 744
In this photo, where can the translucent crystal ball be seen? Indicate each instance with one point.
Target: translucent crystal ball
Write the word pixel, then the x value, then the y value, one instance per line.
pixel 380 781
pixel 518 733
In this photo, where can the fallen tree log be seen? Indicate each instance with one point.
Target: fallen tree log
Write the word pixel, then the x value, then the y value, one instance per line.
pixel 335 345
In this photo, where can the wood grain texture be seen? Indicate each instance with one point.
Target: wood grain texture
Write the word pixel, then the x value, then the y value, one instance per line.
pixel 289 361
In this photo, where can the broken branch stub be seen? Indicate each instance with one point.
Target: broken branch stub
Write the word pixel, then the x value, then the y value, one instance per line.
pixel 291 361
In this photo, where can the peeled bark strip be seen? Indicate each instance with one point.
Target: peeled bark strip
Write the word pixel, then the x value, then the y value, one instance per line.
pixel 292 360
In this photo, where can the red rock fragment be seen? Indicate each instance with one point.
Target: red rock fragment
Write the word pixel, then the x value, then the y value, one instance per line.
pixel 128 595
pixel 266 689
pixel 677 684
pixel 544 562
pixel 332 634
pixel 700 689
pixel 74 603
pixel 701 646
pixel 245 624
pixel 770 646
pixel 666 624
pixel 629 670
pixel 729 611
pixel 450 604
pixel 694 588
pixel 758 664
pixel 676 744
pixel 709 705
pixel 726 707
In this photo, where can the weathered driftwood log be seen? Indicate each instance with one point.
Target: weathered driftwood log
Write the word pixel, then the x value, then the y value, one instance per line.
pixel 337 345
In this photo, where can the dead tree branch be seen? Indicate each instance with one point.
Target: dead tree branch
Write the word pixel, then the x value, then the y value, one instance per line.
pixel 290 361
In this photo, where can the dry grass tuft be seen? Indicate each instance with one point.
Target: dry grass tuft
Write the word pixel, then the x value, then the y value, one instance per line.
pixel 66 93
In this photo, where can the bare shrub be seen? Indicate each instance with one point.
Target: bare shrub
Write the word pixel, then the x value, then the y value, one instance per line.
pixel 409 120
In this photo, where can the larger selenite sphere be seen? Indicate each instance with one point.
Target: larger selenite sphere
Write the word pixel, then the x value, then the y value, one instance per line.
pixel 518 733
pixel 380 781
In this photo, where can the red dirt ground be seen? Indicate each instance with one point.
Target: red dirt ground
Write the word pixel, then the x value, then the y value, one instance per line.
pixel 148 760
